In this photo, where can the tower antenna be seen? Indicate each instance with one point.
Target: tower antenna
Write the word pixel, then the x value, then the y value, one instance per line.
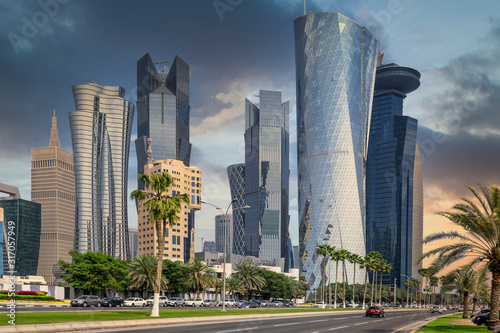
pixel 162 69
pixel 305 7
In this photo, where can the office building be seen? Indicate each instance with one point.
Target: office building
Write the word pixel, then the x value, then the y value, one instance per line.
pixel 209 247
pixel 391 170
pixel 179 238
pixel 1 242
pixel 267 177
pixel 23 219
pixel 236 176
pixel 53 187
pixel 219 233
pixel 101 126
pixel 133 240
pixel 335 61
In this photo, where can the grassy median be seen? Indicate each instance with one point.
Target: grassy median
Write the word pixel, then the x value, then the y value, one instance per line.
pixel 451 324
pixel 31 318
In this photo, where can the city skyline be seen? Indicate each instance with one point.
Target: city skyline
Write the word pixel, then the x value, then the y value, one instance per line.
pixel 455 105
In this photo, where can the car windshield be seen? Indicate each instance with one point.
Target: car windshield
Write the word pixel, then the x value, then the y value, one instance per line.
pixel 82 297
pixel 152 297
pixel 373 307
pixel 107 298
pixel 130 299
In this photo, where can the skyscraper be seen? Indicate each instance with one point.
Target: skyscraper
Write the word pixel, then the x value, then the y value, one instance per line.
pixel 53 186
pixel 335 61
pixel 267 177
pixel 162 112
pixel 23 219
pixel 101 126
pixel 391 169
pixel 219 233
pixel 236 176
pixel 133 240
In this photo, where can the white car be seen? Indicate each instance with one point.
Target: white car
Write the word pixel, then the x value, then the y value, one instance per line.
pixel 163 301
pixel 228 302
pixel 134 301
pixel 277 304
pixel 319 305
pixel 194 302
pixel 209 303
pixel 176 301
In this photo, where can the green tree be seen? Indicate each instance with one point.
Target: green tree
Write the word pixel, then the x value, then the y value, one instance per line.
pixel 335 255
pixel 434 283
pixel 323 250
pixel 384 267
pixel 177 275
pixel 423 272
pixel 162 207
pixel 276 285
pixel 354 259
pixel 250 276
pixel 95 271
pixel 142 272
pixel 342 256
pixel 302 279
pixel 233 286
pixel 369 260
pixel 199 274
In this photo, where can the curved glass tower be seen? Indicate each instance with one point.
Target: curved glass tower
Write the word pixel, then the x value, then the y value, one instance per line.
pixel 236 175
pixel 335 61
pixel 394 186
pixel 101 126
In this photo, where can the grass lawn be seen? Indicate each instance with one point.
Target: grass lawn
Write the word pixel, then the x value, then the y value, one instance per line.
pixel 31 318
pixel 445 324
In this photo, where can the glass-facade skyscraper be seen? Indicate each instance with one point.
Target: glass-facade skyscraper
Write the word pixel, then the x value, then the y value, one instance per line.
pixel 267 177
pixel 236 176
pixel 101 126
pixel 335 61
pixel 392 165
pixel 162 112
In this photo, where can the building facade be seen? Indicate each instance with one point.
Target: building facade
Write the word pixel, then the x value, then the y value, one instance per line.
pixel 162 112
pixel 133 240
pixel 22 227
pixel 220 221
pixel 179 238
pixel 267 177
pixel 101 126
pixel 335 61
pixel 236 176
pixel 391 170
pixel 209 247
pixel 53 186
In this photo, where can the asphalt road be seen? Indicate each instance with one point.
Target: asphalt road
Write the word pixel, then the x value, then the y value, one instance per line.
pixel 394 321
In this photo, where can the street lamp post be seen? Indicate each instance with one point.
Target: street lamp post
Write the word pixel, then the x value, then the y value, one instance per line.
pixel 225 250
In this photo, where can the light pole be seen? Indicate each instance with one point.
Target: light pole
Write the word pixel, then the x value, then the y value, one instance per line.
pixel 407 288
pixel 225 250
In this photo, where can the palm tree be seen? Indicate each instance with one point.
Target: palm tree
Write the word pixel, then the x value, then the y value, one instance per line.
pixel 199 274
pixel 249 275
pixel 384 267
pixel 162 207
pixel 233 286
pixel 342 256
pixel 323 250
pixel 407 284
pixel 368 261
pixel 335 257
pixel 434 283
pixel 480 244
pixel 423 272
pixel 354 259
pixel 302 279
pixel 375 267
pixel 464 279
pixel 142 271
pixel 217 285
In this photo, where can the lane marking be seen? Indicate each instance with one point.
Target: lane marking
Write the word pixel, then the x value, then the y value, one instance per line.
pixel 377 320
pixel 239 329
pixel 337 328
pixel 317 321
pixel 341 318
pixel 287 324
pixel 366 322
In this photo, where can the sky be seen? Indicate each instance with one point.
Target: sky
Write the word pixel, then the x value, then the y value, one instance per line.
pixel 234 49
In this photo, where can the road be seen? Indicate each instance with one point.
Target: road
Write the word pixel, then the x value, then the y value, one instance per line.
pixel 394 321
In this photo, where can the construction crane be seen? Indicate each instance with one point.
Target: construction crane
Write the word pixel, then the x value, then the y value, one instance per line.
pixel 163 62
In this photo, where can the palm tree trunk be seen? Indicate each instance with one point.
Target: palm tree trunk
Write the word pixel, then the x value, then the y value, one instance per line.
pixel 494 300
pixel 160 233
pixel 380 296
pixel 323 290
pixel 366 284
pixel 354 286
pixel 336 276
pixel 374 282
pixel 474 301
pixel 465 314
pixel 343 281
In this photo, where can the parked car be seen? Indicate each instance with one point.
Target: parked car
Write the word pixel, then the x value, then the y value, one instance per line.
pixel 482 319
pixel 244 305
pixel 112 301
pixel 375 311
pixel 436 309
pixel 134 301
pixel 265 303
pixel 86 300
pixel 194 302
pixel 319 305
pixel 277 304
pixel 240 302
pixel 176 301
pixel 479 313
pixel 228 302
pixel 288 304
pixel 209 303
pixel 254 304
pixel 163 301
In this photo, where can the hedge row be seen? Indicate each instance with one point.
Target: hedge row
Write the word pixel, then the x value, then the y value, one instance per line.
pixel 28 297
pixel 23 292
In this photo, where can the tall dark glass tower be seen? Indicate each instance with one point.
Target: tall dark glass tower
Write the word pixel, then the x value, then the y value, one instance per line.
pixel 267 177
pixel 391 168
pixel 236 175
pixel 162 112
pixel 335 60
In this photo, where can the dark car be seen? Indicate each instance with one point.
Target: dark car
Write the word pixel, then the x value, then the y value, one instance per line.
pixel 254 304
pixel 112 301
pixel 288 304
pixel 375 311
pixel 479 313
pixel 86 300
pixel 244 305
pixel 481 319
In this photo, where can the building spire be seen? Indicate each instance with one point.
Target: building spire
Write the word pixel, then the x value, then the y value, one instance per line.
pixel 150 152
pixel 54 135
